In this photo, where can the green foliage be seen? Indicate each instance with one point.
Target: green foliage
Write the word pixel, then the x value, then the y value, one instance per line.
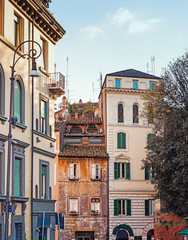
pixel 167 153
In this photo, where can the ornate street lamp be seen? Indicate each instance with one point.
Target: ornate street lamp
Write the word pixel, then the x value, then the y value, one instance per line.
pixel 32 54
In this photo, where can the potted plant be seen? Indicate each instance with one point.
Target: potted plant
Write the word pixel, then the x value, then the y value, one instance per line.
pixel 73 212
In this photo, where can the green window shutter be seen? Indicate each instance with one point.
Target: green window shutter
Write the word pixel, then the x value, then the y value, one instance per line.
pixel 147 173
pixel 17 101
pixel 146 207
pixel 43 170
pixel 115 207
pixel 116 170
pixel 17 175
pixel 128 207
pixel 127 171
pixel 121 140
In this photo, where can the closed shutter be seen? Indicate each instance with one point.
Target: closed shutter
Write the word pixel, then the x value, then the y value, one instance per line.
pixel 116 173
pixel 71 170
pixel 128 207
pixel 128 171
pixel 115 207
pixel 17 176
pixel 123 136
pixel 146 207
pixel 121 140
pixel 18 231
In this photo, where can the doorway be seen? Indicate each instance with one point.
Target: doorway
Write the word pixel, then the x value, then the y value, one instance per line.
pixel 122 235
pixel 149 234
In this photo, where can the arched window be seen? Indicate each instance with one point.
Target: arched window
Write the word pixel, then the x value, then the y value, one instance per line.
pixel 75 129
pixel 120 113
pixel 2 91
pixel 121 140
pixel 19 100
pixel 92 129
pixel 135 113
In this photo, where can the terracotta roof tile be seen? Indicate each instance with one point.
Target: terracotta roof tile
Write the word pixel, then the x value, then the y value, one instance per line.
pixel 59 125
pixel 84 120
pixel 83 151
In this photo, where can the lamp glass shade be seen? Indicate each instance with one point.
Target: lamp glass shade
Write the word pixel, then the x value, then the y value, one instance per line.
pixel 34 72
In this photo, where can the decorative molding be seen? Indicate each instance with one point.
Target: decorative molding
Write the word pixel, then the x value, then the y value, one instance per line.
pixel 19 199
pixel 44 152
pixel 44 135
pixel 20 143
pixel 3 137
pixel 122 157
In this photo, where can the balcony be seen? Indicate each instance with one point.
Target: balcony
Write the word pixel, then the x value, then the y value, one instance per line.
pixel 56 84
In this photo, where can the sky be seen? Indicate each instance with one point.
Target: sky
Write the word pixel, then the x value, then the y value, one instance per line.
pixel 105 36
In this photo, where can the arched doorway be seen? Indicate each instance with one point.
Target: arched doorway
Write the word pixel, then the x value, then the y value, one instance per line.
pixel 122 235
pixel 149 234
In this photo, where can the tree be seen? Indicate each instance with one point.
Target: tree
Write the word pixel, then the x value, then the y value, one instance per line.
pixel 167 154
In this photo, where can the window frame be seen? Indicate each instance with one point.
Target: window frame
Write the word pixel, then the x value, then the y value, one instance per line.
pixel 22 100
pixel 135 116
pixel 120 143
pixel 46 100
pixel 95 176
pixel 118 169
pixel 20 30
pixel 135 84
pixel 44 45
pixel 122 207
pixel 117 83
pixel 70 210
pixel 93 205
pixel 45 164
pixel 75 175
pixel 149 207
pixel 151 85
pixel 122 113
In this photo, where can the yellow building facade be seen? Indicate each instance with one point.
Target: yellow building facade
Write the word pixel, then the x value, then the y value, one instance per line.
pixel 32 148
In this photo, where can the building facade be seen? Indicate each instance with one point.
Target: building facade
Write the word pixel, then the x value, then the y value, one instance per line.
pixel 32 148
pixel 81 182
pixel 131 194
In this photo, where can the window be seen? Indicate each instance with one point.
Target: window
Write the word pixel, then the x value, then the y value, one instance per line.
pixel 19 100
pixel 121 140
pixel 18 31
pixel 17 177
pixel 95 205
pixel 2 167
pixel 75 129
pixel 44 45
pixel 122 207
pixel 135 113
pixel 44 234
pixel 120 113
pixel 44 115
pixel 73 140
pixel 18 231
pixel 151 85
pixel 73 206
pixel 92 129
pixel 117 83
pixel 73 171
pixel 95 171
pixel 147 173
pixel 95 140
pixel 2 91
pixel 135 84
pixel 44 179
pixel 149 207
pixel 122 170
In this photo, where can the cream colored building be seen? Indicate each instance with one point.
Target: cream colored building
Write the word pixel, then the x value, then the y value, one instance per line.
pixel 131 194
pixel 32 153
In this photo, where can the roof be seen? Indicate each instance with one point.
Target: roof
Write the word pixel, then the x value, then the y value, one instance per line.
pixel 132 73
pixel 59 125
pixel 83 151
pixel 95 120
pixel 184 232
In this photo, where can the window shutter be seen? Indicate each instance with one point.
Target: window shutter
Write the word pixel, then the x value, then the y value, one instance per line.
pixel 119 140
pixel 146 207
pixel 17 101
pixel 147 173
pixel 71 170
pixel 128 207
pixel 17 172
pixel 116 170
pixel 123 137
pixel 93 171
pixel 128 171
pixel 115 207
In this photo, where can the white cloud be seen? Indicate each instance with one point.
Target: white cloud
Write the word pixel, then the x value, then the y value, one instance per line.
pixel 121 16
pixel 93 31
pixel 142 26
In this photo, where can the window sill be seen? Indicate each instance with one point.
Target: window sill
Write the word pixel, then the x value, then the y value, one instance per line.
pixel 3 119
pixel 73 214
pixel 94 179
pixel 74 179
pixel 20 125
pixel 95 213
pixel 42 70
pixel 19 199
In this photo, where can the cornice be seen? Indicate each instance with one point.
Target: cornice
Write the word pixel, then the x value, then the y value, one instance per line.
pixel 125 90
pixel 43 19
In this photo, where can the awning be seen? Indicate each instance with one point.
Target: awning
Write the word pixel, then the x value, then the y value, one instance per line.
pixel 184 232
